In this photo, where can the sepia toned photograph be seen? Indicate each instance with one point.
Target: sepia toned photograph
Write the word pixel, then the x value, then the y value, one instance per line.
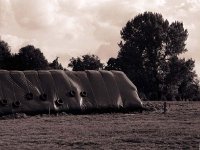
pixel 99 75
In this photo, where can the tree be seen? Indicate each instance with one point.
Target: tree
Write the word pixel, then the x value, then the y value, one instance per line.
pixel 149 55
pixel 56 65
pixel 113 64
pixel 5 55
pixel 180 78
pixel 86 62
pixel 30 58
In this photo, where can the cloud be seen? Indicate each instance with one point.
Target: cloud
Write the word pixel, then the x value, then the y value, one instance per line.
pixel 17 42
pixel 105 51
pixel 34 14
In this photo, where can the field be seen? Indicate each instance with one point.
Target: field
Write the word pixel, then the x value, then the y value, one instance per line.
pixel 179 128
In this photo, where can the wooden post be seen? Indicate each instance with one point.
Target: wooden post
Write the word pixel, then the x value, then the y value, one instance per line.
pixel 49 110
pixel 165 107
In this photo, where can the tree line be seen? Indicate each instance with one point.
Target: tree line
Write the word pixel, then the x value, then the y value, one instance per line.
pixel 28 58
pixel 149 54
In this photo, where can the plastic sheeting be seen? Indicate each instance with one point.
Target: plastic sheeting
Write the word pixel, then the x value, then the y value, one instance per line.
pixel 127 90
pixel 68 91
pixel 112 88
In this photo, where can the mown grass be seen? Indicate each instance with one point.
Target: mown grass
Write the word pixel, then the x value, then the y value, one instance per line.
pixel 179 128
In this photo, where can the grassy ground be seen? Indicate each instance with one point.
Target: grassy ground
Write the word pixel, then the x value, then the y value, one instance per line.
pixel 179 128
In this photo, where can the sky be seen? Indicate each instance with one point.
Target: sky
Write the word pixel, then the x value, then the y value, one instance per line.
pixel 71 28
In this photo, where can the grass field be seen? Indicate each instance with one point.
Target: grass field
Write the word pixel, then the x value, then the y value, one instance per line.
pixel 179 128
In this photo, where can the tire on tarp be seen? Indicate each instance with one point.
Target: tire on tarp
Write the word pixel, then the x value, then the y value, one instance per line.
pixel 41 103
pixel 88 99
pixel 66 91
pixel 6 93
pixel 29 93
pixel 49 94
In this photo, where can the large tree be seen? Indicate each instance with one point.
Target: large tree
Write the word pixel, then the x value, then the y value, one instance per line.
pixel 149 55
pixel 30 58
pixel 86 62
pixel 5 55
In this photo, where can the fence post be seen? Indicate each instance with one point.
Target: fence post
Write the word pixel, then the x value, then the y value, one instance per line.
pixel 49 110
pixel 165 107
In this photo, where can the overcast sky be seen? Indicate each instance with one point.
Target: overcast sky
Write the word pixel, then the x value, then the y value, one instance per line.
pixel 70 28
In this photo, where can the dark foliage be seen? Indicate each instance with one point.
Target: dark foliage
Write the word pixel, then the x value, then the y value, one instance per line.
pixel 30 58
pixel 5 55
pixel 86 62
pixel 56 65
pixel 113 64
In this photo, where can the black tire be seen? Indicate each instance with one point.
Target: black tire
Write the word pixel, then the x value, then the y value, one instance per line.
pixel 43 97
pixel 4 102
pixel 16 104
pixel 72 93
pixel 83 94
pixel 29 96
pixel 59 102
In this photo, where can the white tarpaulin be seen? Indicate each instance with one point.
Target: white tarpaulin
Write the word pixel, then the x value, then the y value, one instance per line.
pixel 57 91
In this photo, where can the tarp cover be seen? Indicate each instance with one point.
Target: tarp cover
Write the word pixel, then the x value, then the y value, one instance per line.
pixel 58 91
